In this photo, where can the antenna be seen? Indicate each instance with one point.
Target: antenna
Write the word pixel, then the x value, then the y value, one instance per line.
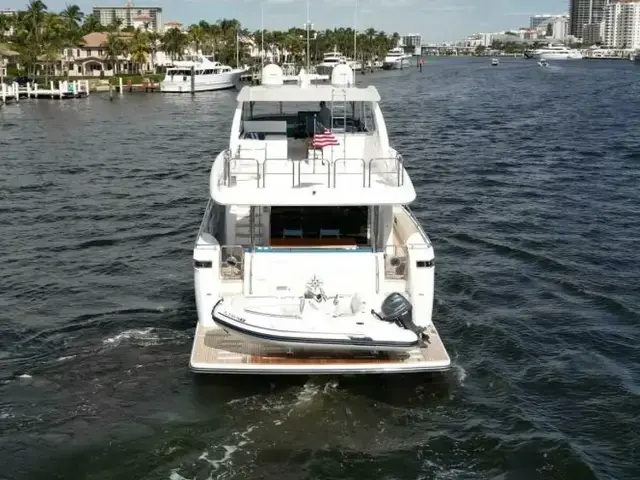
pixel 262 33
pixel 308 26
pixel 355 36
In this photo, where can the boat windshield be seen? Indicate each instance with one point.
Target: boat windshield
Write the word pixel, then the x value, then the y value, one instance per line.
pixel 301 118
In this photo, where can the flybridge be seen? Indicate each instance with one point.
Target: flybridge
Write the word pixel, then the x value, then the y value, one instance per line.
pixel 275 156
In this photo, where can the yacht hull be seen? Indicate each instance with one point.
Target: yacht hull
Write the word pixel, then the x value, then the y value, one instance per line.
pixel 203 83
pixel 324 69
pixel 558 56
pixel 395 65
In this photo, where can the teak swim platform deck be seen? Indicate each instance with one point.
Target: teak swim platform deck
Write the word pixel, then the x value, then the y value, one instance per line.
pixel 215 351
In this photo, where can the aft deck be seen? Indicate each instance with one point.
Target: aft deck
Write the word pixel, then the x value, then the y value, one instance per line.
pixel 215 351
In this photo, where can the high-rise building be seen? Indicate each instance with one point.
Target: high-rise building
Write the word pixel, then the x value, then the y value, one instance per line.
pixel 622 24
pixel 540 20
pixel 411 40
pixel 131 16
pixel 583 12
pixel 560 28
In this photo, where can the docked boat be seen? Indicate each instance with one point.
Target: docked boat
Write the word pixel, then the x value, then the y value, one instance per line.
pixel 395 59
pixel 495 62
pixel 329 61
pixel 557 52
pixel 208 75
pixel 308 259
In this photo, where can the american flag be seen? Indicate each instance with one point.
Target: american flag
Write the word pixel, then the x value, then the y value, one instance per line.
pixel 324 139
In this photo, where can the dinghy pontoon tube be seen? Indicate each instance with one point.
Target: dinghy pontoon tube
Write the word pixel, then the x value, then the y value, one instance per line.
pixel 317 322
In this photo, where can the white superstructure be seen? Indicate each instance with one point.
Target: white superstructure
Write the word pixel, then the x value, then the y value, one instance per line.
pixel 333 58
pixel 322 234
pixel 557 52
pixel 396 58
pixel 209 75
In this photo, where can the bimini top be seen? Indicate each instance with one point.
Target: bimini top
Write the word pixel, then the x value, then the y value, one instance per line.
pixel 312 93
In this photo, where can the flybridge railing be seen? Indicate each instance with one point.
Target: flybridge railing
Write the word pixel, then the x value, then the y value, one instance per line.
pixel 379 171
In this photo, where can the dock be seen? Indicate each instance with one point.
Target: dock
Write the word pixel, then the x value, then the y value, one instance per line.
pixel 65 89
pixel 145 86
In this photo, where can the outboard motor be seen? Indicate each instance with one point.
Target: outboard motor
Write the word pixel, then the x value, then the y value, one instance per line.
pixel 397 309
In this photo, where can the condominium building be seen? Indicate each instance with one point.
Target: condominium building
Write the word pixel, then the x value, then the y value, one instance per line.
pixel 538 21
pixel 583 12
pixel 560 27
pixel 411 40
pixel 131 16
pixel 622 24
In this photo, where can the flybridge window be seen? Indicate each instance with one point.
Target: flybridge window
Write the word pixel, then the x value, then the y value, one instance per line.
pixel 319 226
pixel 301 118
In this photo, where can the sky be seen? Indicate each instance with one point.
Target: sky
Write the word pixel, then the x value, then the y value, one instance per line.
pixel 435 20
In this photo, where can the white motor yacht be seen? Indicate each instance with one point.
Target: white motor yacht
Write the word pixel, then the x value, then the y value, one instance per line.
pixel 395 59
pixel 329 61
pixel 309 259
pixel 208 75
pixel 557 52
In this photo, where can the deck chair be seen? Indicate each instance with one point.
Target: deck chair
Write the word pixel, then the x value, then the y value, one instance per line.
pixel 329 232
pixel 291 232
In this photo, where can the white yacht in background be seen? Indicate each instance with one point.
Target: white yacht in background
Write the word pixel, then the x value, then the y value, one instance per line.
pixel 209 75
pixel 557 52
pixel 308 259
pixel 495 62
pixel 330 60
pixel 396 58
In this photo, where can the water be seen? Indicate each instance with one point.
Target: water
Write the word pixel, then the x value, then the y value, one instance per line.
pixel 527 182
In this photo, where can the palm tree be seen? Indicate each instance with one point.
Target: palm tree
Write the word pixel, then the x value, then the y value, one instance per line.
pixel 92 24
pixel 39 36
pixel 174 43
pixel 114 49
pixel 72 15
pixel 138 49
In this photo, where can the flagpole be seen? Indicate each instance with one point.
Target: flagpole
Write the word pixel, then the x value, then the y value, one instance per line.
pixel 308 28
pixel 355 36
pixel 237 48
pixel 262 31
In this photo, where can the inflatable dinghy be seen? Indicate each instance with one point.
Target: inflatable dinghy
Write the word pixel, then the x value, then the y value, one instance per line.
pixel 340 323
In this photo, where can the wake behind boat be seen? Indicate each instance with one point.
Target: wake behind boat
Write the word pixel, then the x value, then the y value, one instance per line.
pixel 317 321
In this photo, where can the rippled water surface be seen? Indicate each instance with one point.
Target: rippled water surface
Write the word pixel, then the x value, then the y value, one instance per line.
pixel 528 185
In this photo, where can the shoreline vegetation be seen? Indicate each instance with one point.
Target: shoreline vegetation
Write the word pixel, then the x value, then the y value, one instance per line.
pixel 35 39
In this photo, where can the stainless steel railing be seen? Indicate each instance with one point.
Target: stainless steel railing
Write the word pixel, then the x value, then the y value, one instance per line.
pixel 388 171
